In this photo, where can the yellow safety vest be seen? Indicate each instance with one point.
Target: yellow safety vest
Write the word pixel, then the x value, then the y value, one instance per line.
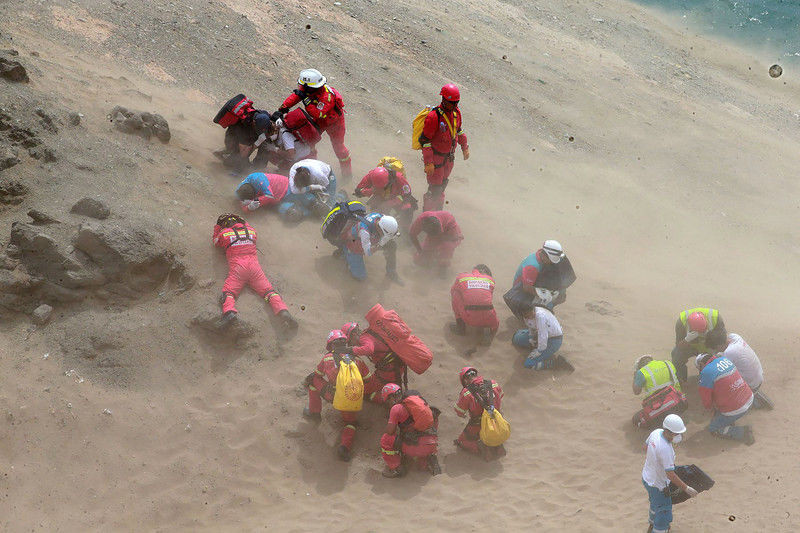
pixel 712 316
pixel 657 375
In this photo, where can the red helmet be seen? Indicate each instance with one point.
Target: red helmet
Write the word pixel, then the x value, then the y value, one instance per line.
pixel 697 322
pixel 464 371
pixel 348 328
pixel 335 335
pixel 450 93
pixel 388 390
pixel 380 177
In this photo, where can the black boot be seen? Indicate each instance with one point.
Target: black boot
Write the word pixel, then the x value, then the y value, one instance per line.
pixel 228 319
pixel 315 417
pixel 289 323
pixel 459 328
pixel 486 336
pixel 563 364
pixel 343 453
pixel 433 465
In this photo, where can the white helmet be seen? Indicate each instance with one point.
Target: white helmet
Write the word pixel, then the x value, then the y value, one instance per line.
pixel 553 250
pixel 674 423
pixel 543 296
pixel 700 359
pixel 311 77
pixel 388 226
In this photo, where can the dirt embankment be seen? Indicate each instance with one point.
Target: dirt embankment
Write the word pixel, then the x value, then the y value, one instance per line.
pixel 649 153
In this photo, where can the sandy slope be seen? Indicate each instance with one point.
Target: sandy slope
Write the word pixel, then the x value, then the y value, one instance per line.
pixel 678 190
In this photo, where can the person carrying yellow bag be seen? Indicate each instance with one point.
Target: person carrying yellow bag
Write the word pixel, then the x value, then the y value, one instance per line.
pixel 339 378
pixel 480 400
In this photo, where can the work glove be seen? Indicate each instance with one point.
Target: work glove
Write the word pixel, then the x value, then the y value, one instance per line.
pixel 691 336
pixel 430 168
pixel 465 152
pixel 529 361
pixel 316 188
pixel 358 193
pixel 253 205
pixel 691 492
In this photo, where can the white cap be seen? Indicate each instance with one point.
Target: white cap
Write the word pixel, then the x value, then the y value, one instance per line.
pixel 311 77
pixel 674 423
pixel 553 250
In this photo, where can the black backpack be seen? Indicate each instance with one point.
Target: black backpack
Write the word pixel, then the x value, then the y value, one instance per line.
pixel 337 218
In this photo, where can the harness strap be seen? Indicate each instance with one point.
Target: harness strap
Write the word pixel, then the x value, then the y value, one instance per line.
pixel 478 307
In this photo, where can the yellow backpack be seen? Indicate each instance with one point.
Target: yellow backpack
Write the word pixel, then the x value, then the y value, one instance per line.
pixel 416 127
pixel 392 163
pixel 495 430
pixel 349 393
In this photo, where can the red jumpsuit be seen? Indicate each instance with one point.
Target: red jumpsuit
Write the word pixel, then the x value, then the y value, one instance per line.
pixel 467 405
pixel 441 132
pixel 471 297
pixel 323 385
pixel 239 243
pixel 326 107
pixel 439 248
pixel 396 197
pixel 388 367
pixel 425 446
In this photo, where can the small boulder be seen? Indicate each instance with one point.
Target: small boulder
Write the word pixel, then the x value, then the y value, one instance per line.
pixel 41 314
pixel 90 207
pixel 41 219
pixel 140 123
pixel 11 69
pixel 74 119
pixel 8 158
pixel 12 192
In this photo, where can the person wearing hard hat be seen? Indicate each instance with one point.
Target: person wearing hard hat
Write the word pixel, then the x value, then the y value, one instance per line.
pixel 659 471
pixel 411 432
pixel 443 235
pixel 388 190
pixel 362 237
pixel 546 268
pixel 471 298
pixel 650 376
pixel 724 391
pixel 692 329
pixel 440 135
pixel 476 395
pixel 544 335
pixel 321 384
pixel 325 106
pixel 747 363
pixel 238 238
pixel 389 368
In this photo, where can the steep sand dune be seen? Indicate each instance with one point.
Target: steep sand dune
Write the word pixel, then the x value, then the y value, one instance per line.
pixel 664 162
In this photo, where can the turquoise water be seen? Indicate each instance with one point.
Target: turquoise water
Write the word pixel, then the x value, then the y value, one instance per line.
pixel 770 28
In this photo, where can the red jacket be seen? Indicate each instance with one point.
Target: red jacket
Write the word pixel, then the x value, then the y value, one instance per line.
pixel 474 287
pixel 441 132
pixel 237 240
pixel 722 387
pixel 399 186
pixel 328 369
pixel 325 105
pixel 467 405
pixel 450 229
pixel 370 346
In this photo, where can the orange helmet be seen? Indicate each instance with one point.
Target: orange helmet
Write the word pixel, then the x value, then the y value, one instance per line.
pixel 333 336
pixel 380 177
pixel 388 390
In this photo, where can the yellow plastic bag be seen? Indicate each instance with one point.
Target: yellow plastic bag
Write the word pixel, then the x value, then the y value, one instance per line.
pixel 349 393
pixel 495 430
pixel 416 127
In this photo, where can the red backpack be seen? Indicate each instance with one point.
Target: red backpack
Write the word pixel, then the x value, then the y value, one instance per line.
pixel 299 122
pixel 234 110
pixel 420 411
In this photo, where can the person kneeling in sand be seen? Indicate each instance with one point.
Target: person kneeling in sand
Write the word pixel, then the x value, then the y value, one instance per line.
pixel 724 391
pixel 443 237
pixel 265 190
pixel 471 299
pixel 544 335
pixel 410 432
pixel 477 394
pixel 747 363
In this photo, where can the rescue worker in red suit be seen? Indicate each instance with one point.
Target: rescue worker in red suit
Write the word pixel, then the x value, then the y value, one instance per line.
pixel 471 298
pixel 325 106
pixel 440 134
pixel 421 447
pixel 469 404
pixel 443 237
pixel 388 367
pixel 389 192
pixel 238 239
pixel 322 384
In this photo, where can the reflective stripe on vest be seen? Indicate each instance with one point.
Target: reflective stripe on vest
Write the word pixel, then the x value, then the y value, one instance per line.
pixel 665 377
pixel 712 316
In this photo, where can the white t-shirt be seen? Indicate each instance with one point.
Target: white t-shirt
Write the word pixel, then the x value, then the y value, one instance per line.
pixel 745 359
pixel 660 460
pixel 319 173
pixel 546 325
